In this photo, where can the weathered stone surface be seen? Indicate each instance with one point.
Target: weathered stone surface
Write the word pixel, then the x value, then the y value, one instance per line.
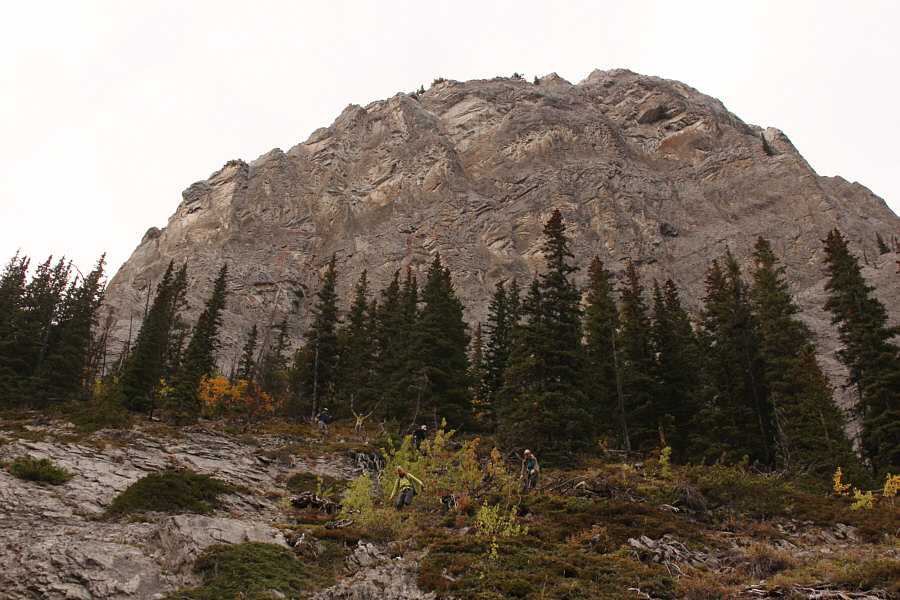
pixel 643 169
pixel 395 579
pixel 51 547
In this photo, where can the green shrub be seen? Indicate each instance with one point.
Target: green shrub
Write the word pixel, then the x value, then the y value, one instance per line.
pixel 253 571
pixel 171 491
pixel 31 469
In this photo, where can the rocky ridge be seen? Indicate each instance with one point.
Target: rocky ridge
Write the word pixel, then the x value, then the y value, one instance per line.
pixel 642 169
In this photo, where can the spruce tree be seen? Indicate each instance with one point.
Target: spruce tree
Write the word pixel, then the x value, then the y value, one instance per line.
pixel 645 419
pixel 43 306
pixel 543 399
pixel 441 344
pixel 735 420
pixel 273 365
pixel 601 322
pixel 316 363
pixel 357 351
pixel 65 368
pixel 677 364
pixel 502 321
pixel 12 296
pixel 199 357
pixel 477 366
pixel 398 372
pixel 869 355
pixel 246 367
pixel 148 363
pixel 809 432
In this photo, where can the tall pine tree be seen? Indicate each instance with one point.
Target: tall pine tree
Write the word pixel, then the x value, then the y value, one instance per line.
pixel 441 344
pixel 601 323
pixel 316 363
pixel 735 420
pixel 543 403
pixel 677 363
pixel 868 353
pixel 645 419
pixel 809 432
pixel 357 344
pixel 152 355
pixel 199 357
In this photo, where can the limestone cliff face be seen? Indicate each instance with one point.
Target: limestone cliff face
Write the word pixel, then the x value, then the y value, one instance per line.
pixel 643 169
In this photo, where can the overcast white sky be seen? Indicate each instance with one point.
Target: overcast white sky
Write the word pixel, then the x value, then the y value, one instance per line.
pixel 108 110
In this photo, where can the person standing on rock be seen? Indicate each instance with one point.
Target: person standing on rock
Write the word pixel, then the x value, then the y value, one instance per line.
pixel 323 419
pixel 405 485
pixel 530 470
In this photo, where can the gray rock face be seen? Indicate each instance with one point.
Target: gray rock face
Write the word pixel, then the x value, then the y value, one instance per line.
pixel 642 169
pixel 50 548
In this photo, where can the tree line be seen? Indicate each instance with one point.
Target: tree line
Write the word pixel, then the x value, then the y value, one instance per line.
pixel 553 367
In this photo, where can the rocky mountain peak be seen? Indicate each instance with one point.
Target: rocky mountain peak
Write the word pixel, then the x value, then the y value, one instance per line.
pixel 643 169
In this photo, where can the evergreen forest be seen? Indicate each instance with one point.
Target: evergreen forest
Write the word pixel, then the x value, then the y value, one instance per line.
pixel 616 367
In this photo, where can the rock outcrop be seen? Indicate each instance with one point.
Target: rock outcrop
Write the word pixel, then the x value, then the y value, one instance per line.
pixel 643 169
pixel 52 547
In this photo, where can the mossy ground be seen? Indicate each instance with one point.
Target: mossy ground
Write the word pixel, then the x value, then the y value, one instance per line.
pixel 254 571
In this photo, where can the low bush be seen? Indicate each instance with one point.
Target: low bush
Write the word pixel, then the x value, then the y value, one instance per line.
pixel 31 469
pixel 254 571
pixel 171 491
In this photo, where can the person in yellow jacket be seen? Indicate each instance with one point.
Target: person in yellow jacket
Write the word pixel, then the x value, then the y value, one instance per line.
pixel 405 485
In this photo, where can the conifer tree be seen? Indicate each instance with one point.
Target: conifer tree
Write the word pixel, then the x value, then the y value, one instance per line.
pixel 638 367
pixel 397 369
pixel 441 344
pixel 868 353
pixel 677 364
pixel 809 432
pixel 12 293
pixel 273 366
pixel 357 351
pixel 736 418
pixel 65 368
pixel 246 368
pixel 477 366
pixel 199 357
pixel 601 323
pixel 151 356
pixel 43 305
pixel 502 320
pixel 543 397
pixel 316 363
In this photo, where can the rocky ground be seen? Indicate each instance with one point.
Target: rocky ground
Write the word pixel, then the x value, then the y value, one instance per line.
pixel 54 547
pixel 601 519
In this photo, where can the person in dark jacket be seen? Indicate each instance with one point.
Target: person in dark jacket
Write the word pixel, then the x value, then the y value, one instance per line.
pixel 419 437
pixel 323 419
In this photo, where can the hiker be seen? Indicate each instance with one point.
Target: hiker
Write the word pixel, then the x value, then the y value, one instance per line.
pixel 405 484
pixel 419 436
pixel 323 419
pixel 530 470
pixel 360 420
